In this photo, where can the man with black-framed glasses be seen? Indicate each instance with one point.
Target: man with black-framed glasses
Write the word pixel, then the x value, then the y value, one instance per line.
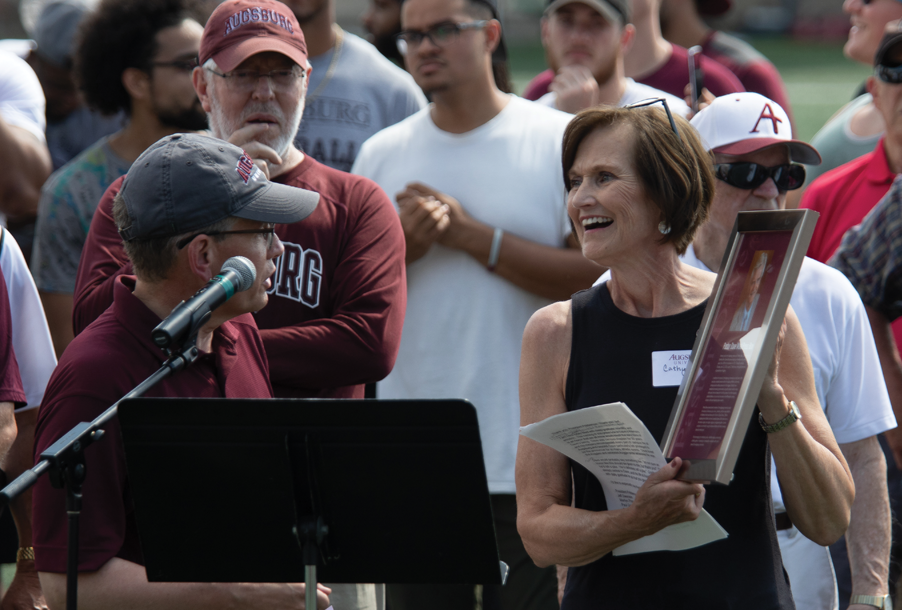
pixel 481 199
pixel 756 163
pixel 221 216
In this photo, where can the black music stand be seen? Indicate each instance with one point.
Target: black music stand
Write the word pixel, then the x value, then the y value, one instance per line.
pixel 221 485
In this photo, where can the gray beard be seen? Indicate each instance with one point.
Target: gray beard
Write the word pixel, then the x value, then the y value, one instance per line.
pixel 221 128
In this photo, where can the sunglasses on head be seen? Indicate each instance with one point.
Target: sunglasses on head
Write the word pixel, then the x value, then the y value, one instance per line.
pixel 658 100
pixel 752 175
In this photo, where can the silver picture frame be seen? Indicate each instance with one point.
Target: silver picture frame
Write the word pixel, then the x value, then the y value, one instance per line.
pixel 736 341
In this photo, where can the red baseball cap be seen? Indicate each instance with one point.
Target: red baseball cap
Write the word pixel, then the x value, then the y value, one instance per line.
pixel 238 29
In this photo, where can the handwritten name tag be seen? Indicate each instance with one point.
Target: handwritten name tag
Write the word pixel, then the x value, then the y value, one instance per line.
pixel 668 368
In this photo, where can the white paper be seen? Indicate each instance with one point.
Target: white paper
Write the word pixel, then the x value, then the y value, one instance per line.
pixel 614 445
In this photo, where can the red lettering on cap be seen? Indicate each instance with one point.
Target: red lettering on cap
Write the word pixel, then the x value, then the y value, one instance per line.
pixel 767 113
pixel 245 167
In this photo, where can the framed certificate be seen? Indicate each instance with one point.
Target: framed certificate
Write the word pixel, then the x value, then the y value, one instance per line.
pixel 736 341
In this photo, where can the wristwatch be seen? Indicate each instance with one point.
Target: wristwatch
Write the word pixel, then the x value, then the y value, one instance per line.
pixel 885 602
pixel 794 416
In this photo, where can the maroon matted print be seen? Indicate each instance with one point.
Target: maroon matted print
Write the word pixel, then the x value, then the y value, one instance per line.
pixel 736 341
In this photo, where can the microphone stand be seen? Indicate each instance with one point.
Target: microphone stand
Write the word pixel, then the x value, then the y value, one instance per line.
pixel 64 460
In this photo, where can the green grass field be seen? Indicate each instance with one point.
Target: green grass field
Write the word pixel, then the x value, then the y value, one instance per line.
pixel 817 76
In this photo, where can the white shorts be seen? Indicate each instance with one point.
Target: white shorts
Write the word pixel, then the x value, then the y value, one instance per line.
pixel 810 570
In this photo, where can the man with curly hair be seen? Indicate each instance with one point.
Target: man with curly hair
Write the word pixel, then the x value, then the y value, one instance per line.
pixel 135 56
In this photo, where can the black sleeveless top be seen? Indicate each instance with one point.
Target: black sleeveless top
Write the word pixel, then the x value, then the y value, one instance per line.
pixel 610 361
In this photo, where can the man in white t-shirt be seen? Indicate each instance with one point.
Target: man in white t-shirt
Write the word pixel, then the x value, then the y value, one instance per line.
pixel 481 201
pixel 585 42
pixel 755 156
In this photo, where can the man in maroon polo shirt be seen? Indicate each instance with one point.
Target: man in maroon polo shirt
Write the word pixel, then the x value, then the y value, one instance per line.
pixel 339 293
pixel 188 204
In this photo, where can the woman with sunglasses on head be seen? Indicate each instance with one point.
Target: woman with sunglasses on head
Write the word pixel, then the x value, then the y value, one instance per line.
pixel 640 183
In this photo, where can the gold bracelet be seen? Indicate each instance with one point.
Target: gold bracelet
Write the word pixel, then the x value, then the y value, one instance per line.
pixel 25 553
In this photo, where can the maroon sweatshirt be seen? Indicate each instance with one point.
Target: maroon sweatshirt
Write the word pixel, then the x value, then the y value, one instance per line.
pixel 336 308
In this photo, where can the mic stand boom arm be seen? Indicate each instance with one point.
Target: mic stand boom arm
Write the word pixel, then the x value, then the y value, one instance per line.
pixel 64 461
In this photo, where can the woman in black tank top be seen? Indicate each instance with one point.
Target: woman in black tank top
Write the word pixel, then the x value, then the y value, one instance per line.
pixel 640 183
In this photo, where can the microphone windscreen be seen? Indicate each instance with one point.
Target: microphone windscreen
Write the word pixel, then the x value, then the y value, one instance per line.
pixel 245 269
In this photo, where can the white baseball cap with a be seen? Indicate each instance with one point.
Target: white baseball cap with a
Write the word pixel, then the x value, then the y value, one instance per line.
pixel 742 123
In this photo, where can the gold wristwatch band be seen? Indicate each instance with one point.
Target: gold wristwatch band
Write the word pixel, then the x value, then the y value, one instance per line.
pixel 884 602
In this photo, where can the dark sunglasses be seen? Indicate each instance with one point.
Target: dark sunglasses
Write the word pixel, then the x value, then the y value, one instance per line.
pixel 652 101
pixel 752 175
pixel 269 232
pixel 889 74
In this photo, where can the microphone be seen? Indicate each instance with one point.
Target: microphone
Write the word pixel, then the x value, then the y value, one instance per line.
pixel 237 275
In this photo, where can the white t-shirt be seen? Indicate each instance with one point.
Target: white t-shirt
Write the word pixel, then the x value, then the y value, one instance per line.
pixel 21 96
pixel 635 92
pixel 31 337
pixel 847 373
pixel 464 324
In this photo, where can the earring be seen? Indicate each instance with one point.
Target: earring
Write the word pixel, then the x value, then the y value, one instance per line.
pixel 663 227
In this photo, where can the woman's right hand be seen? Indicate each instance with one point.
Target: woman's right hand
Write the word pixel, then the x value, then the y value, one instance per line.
pixel 664 500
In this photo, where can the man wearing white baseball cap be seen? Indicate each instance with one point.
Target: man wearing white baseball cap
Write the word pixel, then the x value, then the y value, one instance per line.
pixel 756 163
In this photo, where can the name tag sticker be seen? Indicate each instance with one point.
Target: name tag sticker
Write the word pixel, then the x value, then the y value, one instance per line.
pixel 668 368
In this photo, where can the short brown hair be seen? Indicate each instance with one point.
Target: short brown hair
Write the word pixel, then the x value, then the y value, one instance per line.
pixel 153 258
pixel 677 176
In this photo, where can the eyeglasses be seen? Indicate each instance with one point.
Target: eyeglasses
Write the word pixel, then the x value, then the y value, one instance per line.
pixel 889 74
pixel 439 35
pixel 246 80
pixel 750 176
pixel 268 231
pixel 183 65
pixel 652 101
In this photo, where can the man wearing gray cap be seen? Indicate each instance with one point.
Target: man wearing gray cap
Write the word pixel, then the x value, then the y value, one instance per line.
pixel 338 297
pixel 188 204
